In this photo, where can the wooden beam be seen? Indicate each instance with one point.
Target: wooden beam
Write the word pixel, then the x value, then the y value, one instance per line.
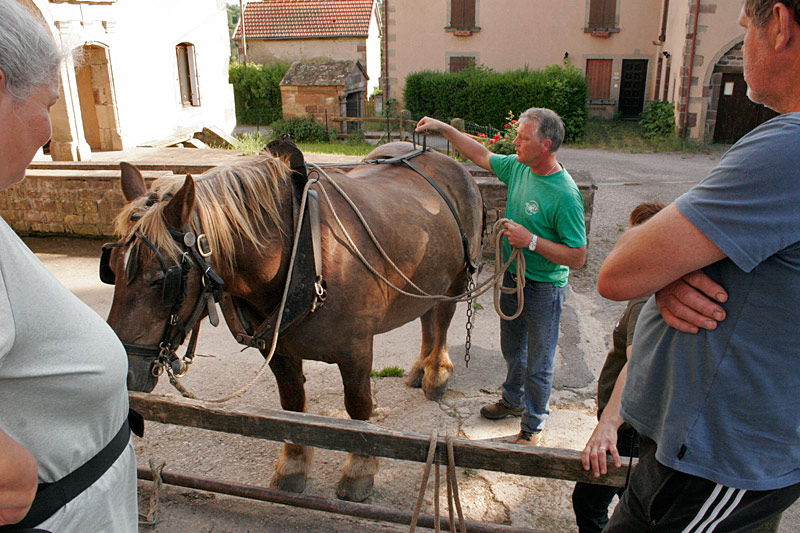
pixel 366 438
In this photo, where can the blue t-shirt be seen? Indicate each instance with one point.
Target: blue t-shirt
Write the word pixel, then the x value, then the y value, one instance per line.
pixel 548 206
pixel 725 404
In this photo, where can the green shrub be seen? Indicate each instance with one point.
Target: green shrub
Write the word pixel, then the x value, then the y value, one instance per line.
pixel 658 120
pixel 480 95
pixel 300 129
pixel 257 92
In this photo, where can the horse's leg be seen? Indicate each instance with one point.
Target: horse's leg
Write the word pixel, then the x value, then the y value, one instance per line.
pixel 359 470
pixel 418 370
pixel 295 460
pixel 438 367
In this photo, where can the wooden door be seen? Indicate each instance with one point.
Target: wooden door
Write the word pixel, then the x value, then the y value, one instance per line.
pixel 736 114
pixel 632 84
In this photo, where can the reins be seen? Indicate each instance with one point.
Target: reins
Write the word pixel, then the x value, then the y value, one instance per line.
pixel 494 282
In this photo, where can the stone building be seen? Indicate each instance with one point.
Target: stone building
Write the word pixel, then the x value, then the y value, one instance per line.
pixel 324 89
pixel 135 71
pixel 296 30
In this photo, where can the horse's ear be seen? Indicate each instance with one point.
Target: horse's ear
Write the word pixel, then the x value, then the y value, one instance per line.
pixel 179 209
pixel 132 182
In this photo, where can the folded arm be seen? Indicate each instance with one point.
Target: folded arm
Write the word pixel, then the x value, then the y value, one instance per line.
pixel 663 256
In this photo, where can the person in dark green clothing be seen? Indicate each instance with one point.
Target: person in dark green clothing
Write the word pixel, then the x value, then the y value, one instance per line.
pixel 611 436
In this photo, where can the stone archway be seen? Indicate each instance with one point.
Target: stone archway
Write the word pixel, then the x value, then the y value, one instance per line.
pixel 730 113
pixel 96 97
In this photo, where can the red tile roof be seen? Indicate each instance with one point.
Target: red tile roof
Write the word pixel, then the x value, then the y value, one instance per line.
pixel 306 19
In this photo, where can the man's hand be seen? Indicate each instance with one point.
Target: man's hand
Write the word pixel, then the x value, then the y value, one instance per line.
pixel 689 303
pixel 518 236
pixel 428 124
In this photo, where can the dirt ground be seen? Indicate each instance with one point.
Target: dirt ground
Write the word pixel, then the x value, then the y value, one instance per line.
pixel 623 181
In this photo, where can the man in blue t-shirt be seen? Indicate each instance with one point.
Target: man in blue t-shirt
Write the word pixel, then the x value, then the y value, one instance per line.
pixel 718 408
pixel 546 221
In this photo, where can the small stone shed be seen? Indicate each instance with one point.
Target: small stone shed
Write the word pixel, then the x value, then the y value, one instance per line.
pixel 335 88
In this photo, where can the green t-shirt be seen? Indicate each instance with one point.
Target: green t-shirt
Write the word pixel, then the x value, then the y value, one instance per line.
pixel 548 206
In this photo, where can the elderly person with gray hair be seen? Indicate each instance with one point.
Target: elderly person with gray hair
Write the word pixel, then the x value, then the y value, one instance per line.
pixel 64 415
pixel 546 222
pixel 712 386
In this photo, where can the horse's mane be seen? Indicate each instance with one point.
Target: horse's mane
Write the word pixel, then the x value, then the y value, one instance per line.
pixel 231 202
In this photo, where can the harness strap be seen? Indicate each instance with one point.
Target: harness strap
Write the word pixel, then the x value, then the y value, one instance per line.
pixel 50 497
pixel 471 264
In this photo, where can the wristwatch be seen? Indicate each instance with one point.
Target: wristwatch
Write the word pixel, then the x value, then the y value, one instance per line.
pixel 532 244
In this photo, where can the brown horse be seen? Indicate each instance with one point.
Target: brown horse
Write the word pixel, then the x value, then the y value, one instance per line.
pixel 246 213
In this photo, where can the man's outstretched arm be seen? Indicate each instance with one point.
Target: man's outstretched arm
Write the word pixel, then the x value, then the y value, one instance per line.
pixel 466 145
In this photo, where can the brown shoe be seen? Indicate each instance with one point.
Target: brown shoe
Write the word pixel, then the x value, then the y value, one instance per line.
pixel 526 437
pixel 496 411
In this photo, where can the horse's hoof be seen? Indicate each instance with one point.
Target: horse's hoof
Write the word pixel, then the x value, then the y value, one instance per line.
pixel 291 483
pixel 354 489
pixel 435 393
pixel 414 379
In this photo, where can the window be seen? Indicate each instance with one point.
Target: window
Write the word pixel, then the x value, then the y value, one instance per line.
pixel 598 75
pixel 187 75
pixel 460 62
pixel 602 14
pixel 462 13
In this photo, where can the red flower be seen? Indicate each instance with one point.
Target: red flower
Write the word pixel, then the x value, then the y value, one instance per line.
pixel 497 137
pixel 481 135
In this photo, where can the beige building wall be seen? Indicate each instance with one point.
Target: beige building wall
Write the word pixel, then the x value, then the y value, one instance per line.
pixel 136 90
pixel 514 34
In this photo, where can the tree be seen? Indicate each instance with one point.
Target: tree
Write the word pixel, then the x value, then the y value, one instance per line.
pixel 233 19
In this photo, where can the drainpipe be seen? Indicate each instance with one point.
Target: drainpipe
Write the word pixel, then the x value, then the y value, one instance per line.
pixel 691 69
pixel 385 51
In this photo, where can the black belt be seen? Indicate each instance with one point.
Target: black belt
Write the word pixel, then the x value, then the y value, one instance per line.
pixel 50 497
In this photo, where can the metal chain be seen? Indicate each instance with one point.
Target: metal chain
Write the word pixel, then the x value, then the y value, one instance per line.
pixel 470 313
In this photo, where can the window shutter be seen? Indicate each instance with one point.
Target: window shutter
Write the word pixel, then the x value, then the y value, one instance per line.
pixel 459 62
pixel 194 86
pixel 598 75
pixel 183 74
pixel 462 13
pixel 602 13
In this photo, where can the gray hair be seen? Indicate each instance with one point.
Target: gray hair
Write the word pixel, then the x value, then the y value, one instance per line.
pixel 550 125
pixel 28 56
pixel 760 11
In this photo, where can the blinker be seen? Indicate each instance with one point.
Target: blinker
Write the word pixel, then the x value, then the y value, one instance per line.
pixel 106 273
pixel 172 286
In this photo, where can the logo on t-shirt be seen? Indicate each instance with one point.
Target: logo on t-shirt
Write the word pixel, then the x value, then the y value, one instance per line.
pixel 531 208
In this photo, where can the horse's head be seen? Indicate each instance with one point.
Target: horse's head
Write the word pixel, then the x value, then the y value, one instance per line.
pixel 159 272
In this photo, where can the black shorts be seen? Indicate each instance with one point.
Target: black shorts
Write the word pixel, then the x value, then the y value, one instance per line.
pixel 659 498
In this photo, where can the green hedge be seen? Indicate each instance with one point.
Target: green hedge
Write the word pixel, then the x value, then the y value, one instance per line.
pixel 479 95
pixel 257 92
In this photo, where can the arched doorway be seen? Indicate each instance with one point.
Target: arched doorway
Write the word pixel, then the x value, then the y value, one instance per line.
pixel 732 111
pixel 96 96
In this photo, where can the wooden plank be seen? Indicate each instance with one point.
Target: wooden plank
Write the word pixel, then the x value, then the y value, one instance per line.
pixel 366 438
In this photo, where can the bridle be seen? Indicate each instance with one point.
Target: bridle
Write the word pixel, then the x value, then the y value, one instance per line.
pixel 195 250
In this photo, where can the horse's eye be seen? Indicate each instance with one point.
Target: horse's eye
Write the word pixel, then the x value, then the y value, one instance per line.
pixel 153 276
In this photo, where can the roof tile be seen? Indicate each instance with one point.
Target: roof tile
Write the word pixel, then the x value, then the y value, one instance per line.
pixel 306 19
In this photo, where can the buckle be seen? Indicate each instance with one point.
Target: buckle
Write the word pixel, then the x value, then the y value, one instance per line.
pixel 203 247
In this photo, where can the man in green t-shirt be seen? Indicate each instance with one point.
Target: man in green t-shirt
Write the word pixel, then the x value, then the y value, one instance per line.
pixel 546 221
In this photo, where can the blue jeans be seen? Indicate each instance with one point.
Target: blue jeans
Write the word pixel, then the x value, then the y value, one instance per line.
pixel 529 345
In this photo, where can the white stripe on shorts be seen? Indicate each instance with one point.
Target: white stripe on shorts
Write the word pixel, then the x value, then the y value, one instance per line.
pixel 724 500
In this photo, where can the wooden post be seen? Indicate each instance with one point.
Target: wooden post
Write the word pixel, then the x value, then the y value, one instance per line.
pixel 244 38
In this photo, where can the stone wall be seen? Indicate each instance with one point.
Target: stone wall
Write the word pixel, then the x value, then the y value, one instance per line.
pixel 66 202
pixel 85 202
